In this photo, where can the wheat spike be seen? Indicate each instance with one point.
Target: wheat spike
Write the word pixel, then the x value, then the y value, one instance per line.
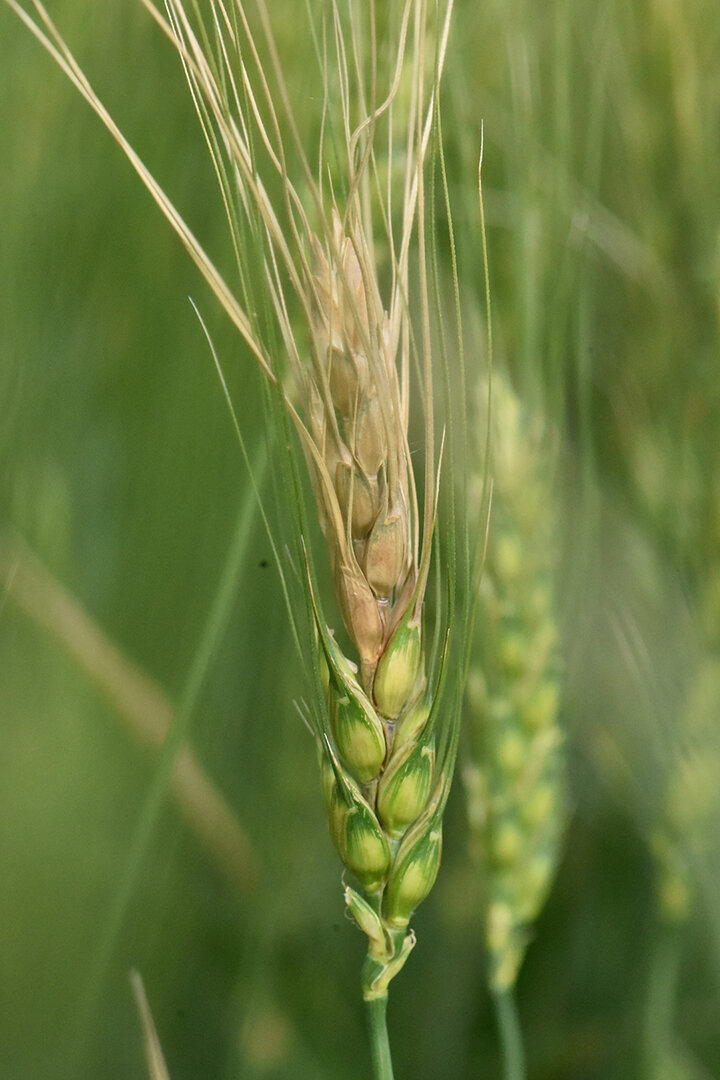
pixel 344 378
pixel 515 774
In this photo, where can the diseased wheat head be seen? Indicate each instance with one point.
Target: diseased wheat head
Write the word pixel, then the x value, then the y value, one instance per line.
pixel 313 242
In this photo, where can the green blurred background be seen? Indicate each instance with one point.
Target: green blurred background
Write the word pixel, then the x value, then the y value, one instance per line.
pixel 120 471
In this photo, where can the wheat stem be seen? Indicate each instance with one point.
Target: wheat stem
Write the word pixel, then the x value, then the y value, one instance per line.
pixel 508 1022
pixel 379 1040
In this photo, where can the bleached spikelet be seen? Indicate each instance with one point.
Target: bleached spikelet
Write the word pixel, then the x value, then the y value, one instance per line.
pixel 362 469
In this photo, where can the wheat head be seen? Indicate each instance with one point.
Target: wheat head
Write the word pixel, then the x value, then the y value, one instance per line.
pixel 514 777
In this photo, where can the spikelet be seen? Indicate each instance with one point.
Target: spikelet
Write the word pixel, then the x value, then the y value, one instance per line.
pixel 514 779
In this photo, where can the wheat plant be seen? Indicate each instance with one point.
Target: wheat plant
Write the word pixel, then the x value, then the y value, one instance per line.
pixel 121 471
pixel 334 296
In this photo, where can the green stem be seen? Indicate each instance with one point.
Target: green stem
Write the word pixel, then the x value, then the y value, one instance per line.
pixel 379 1041
pixel 511 1040
pixel 660 998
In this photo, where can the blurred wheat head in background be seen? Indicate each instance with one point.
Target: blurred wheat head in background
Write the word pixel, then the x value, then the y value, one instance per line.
pixel 515 769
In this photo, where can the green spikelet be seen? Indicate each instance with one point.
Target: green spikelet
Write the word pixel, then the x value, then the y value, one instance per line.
pixel 357 728
pixel 410 726
pixel 359 735
pixel 365 849
pixel 413 877
pixel 398 670
pixel 515 778
pixel 416 864
pixel 354 828
pixel 405 786
pixel 367 918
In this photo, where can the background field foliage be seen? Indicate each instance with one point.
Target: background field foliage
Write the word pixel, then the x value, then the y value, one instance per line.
pixel 120 470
